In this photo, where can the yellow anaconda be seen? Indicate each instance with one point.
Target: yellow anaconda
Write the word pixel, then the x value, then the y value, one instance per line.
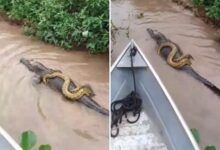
pixel 171 60
pixel 76 94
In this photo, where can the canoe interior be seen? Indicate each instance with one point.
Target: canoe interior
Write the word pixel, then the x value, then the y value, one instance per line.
pixel 6 142
pixel 156 105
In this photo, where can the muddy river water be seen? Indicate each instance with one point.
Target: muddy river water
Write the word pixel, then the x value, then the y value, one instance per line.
pixel 24 105
pixel 198 105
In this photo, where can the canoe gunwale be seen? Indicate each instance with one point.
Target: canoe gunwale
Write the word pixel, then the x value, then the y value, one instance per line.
pixel 9 139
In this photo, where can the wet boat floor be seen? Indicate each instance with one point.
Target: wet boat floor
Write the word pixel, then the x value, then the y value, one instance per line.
pixel 142 135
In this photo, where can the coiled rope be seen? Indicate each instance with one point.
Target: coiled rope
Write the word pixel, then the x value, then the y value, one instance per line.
pixel 132 103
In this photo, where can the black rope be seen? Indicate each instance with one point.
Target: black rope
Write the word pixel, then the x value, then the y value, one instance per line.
pixel 130 104
pixel 132 54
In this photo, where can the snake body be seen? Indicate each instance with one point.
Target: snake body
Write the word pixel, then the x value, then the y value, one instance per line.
pixel 175 58
pixel 74 94
pixel 171 59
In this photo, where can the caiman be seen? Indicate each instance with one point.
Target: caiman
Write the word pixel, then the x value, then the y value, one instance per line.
pixel 59 82
pixel 174 56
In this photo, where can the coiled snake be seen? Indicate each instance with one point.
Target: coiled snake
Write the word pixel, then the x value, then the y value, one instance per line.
pixel 175 58
pixel 172 60
pixel 74 94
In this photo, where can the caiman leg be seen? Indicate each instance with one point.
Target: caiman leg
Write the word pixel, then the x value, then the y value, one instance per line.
pixel 56 84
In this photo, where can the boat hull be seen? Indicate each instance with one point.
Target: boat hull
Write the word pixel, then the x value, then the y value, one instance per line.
pixel 6 142
pixel 158 105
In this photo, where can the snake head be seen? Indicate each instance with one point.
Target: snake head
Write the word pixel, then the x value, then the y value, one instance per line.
pixel 89 90
pixel 190 57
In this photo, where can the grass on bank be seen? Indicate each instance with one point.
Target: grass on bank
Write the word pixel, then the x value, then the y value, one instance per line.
pixel 212 8
pixel 64 23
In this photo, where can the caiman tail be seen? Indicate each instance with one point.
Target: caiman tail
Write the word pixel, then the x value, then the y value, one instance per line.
pixel 198 77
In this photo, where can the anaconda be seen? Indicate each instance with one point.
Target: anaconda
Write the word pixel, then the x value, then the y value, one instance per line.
pixel 56 84
pixel 175 58
pixel 171 60
pixel 76 93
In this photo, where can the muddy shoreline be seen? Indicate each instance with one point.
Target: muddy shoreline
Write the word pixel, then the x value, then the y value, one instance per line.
pixel 198 12
pixel 21 24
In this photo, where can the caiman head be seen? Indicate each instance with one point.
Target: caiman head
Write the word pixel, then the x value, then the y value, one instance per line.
pixel 157 36
pixel 36 67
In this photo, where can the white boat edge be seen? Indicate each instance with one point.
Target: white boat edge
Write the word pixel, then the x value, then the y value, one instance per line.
pixel 179 115
pixel 9 139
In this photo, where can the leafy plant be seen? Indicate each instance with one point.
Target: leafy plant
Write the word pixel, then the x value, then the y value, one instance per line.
pixel 198 2
pixel 210 148
pixel 29 140
pixel 208 2
pixel 63 23
pixel 196 135
pixel 45 147
pixel 212 7
pixel 213 11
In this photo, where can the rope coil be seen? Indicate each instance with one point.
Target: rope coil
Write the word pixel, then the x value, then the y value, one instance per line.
pixel 132 103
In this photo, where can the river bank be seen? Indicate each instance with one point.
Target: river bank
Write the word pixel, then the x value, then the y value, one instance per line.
pixel 63 23
pixel 198 12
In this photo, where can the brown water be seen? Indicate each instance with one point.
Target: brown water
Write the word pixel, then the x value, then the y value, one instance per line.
pixel 23 105
pixel 198 105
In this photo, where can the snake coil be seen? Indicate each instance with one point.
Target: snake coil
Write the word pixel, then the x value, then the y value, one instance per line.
pixel 171 60
pixel 76 93
pixel 175 58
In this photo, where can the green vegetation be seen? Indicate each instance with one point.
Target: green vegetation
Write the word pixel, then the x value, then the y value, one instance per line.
pixel 29 140
pixel 212 7
pixel 210 148
pixel 196 135
pixel 63 23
